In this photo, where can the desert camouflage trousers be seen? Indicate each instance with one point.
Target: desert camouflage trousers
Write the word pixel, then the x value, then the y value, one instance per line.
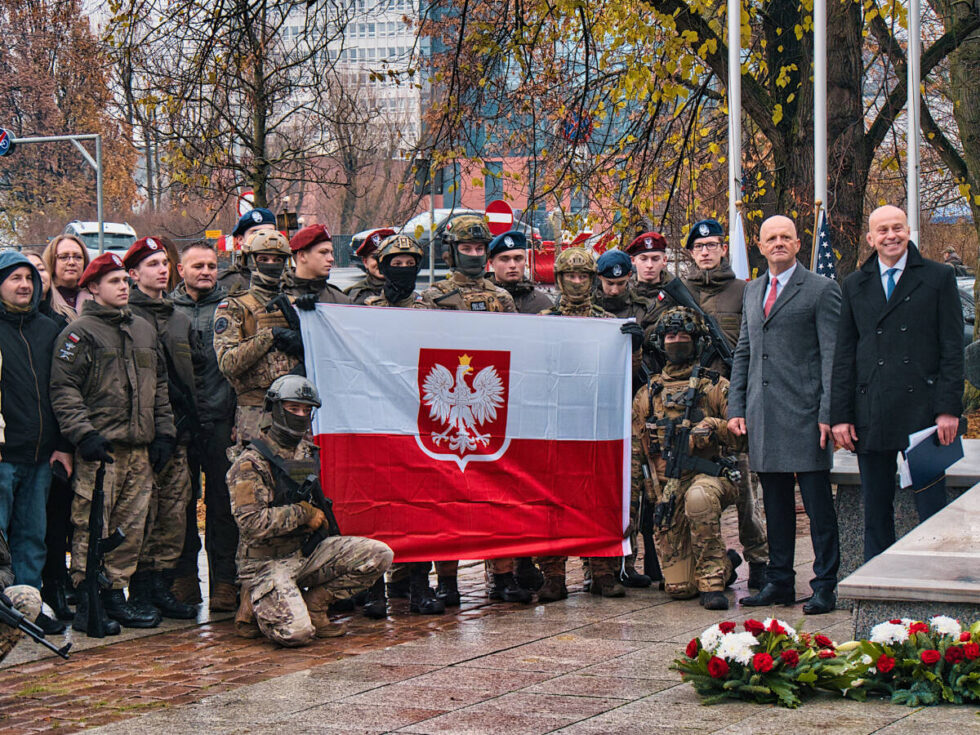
pixel 593 566
pixel 128 486
pixel 691 550
pixel 341 565
pixel 751 530
pixel 27 600
pixel 166 519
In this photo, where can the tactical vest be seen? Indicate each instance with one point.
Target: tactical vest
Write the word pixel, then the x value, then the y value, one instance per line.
pixel 252 384
pixel 469 295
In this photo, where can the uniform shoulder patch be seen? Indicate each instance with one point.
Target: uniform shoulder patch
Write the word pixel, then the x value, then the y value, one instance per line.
pixel 67 351
pixel 222 305
pixel 478 306
pixel 220 325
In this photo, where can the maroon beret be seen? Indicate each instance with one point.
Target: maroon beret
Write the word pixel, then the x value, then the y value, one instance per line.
pixel 140 250
pixel 105 263
pixel 308 237
pixel 647 242
pixel 372 242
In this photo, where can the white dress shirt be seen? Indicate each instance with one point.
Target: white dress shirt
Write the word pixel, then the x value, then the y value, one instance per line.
pixel 883 271
pixel 782 279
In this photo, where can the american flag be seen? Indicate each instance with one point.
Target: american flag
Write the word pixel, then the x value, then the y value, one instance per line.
pixel 826 257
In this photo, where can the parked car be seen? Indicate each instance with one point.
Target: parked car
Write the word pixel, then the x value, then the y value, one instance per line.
pixel 965 287
pixel 115 236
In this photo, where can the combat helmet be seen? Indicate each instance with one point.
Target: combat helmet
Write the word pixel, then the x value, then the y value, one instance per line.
pixel 399 245
pixel 286 427
pixel 272 242
pixel 467 228
pixel 575 260
pixel 680 319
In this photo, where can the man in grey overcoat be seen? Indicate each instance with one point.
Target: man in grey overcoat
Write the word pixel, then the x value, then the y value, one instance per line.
pixel 780 396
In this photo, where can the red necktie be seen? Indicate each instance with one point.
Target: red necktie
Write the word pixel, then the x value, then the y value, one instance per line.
pixel 771 298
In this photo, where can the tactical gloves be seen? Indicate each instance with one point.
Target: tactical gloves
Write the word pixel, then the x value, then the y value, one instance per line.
pixel 94 447
pixel 160 451
pixel 306 302
pixel 635 331
pixel 288 340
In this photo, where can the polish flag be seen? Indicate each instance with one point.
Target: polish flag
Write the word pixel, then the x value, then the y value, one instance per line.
pixel 466 435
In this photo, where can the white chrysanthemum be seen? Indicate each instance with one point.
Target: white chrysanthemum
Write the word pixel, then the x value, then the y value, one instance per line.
pixel 866 659
pixel 737 647
pixel 945 625
pixel 889 633
pixel 790 630
pixel 711 638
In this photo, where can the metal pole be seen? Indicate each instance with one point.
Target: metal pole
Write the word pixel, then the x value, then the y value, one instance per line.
pixel 915 43
pixel 98 192
pixel 432 222
pixel 734 109
pixel 820 100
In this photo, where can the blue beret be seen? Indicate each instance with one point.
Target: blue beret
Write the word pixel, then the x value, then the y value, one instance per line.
pixel 704 228
pixel 614 264
pixel 513 240
pixel 253 218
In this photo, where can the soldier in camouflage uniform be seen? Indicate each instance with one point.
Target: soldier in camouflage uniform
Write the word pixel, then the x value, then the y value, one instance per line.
pixel 507 262
pixel 373 280
pixel 289 593
pixel 312 249
pixel 464 289
pixel 690 546
pixel 255 347
pixel 575 273
pixel 23 597
pixel 236 278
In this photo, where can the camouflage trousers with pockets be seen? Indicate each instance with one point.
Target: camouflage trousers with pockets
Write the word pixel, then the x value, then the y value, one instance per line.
pixel 166 517
pixel 25 599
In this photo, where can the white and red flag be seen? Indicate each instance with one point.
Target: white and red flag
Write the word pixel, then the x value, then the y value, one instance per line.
pixel 461 435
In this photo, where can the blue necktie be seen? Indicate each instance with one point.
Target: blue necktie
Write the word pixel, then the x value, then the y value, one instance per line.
pixel 890 283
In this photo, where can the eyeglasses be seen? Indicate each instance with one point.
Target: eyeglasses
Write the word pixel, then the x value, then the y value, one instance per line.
pixel 69 257
pixel 705 246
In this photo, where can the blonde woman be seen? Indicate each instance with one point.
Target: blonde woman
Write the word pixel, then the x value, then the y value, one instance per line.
pixel 66 259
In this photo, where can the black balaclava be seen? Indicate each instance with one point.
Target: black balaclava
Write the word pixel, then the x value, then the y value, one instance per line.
pixel 679 353
pixel 399 280
pixel 287 429
pixel 266 275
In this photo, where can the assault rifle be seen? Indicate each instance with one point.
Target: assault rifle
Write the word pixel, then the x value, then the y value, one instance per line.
pixel 291 491
pixel 719 343
pixel 10 615
pixel 98 547
pixel 283 304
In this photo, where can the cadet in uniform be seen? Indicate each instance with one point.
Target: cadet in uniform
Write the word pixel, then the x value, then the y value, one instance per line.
pixel 373 280
pixel 508 260
pixel 109 394
pixel 312 251
pixel 166 519
pixel 237 278
pixel 288 592
pixel 254 347
pixel 465 289
pixel 648 252
pixel 719 293
pixel 688 539
pixel 575 274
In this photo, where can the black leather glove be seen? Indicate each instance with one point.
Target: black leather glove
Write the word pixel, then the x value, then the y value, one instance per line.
pixel 160 451
pixel 306 302
pixel 288 340
pixel 635 331
pixel 94 447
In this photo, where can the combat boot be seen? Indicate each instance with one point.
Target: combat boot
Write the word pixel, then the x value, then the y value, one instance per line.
pixel 553 589
pixel 120 610
pixel 54 592
pixel 421 598
pixel 757 575
pixel 736 562
pixel 224 597
pixel 375 603
pixel 714 601
pixel 629 577
pixel 447 591
pixel 80 623
pixel 245 623
pixel 187 589
pixel 528 575
pixel 607 586
pixel 400 589
pixel 318 601
pixel 141 594
pixel 164 600
pixel 506 588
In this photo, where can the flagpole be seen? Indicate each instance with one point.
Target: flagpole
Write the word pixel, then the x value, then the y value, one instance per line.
pixel 734 108
pixel 819 103
pixel 817 206
pixel 912 143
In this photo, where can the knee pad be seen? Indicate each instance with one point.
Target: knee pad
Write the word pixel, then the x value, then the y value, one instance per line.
pixel 701 503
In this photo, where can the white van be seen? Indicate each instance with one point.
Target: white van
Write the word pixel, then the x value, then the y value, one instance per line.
pixel 115 236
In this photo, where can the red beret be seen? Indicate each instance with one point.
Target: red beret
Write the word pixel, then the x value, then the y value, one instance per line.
pixel 647 242
pixel 372 241
pixel 308 237
pixel 105 263
pixel 140 250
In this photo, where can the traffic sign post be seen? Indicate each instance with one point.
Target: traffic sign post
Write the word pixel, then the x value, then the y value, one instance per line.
pixel 246 202
pixel 500 217
pixel 6 142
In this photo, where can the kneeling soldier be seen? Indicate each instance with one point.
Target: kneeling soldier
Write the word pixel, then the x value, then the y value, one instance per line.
pixel 290 569
pixel 681 458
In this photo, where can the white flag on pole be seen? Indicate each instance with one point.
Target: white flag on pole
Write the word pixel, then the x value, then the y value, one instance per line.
pixel 738 249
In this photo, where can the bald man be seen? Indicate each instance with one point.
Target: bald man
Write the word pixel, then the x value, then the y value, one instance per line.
pixel 780 397
pixel 898 368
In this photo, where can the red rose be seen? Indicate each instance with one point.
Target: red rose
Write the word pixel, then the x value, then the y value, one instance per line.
pixel 776 628
pixel 930 656
pixel 971 650
pixel 823 641
pixel 717 668
pixel 954 654
pixel 754 626
pixel 965 636
pixel 827 653
pixel 885 663
pixel 896 621
pixel 692 648
pixel 918 628
pixel 762 662
pixel 791 658
pixel 727 627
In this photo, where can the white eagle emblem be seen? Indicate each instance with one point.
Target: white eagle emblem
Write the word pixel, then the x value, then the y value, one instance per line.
pixel 704 230
pixel 617 270
pixel 460 408
pixel 648 242
pixel 257 217
pixel 151 243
